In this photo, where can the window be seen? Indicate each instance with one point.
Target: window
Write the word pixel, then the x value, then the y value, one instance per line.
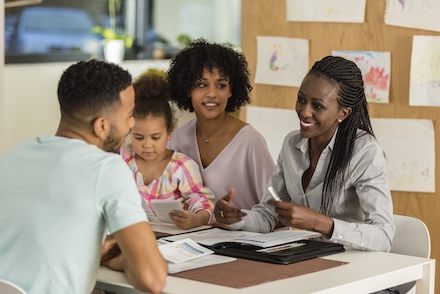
pixel 65 30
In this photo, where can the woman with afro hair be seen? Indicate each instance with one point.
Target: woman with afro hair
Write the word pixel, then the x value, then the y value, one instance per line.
pixel 212 80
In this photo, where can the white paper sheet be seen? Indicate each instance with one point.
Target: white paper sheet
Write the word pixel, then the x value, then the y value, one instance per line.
pixel 425 71
pixel 278 238
pixel 183 250
pixel 215 235
pixel 326 10
pixel 274 124
pixel 163 207
pixel 212 236
pixel 409 147
pixel 199 262
pixel 281 61
pixel 418 14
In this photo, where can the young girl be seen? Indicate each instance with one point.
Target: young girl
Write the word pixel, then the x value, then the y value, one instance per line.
pixel 161 173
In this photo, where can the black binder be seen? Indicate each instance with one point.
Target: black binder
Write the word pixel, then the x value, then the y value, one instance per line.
pixel 280 254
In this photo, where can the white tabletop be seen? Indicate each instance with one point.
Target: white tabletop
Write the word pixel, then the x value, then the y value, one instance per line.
pixel 365 272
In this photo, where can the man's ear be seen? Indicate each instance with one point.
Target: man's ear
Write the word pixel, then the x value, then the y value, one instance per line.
pixel 101 127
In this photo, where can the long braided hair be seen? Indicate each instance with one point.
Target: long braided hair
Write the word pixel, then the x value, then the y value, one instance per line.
pixel 351 94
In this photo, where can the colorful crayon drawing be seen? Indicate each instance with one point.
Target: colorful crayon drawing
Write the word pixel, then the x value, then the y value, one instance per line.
pixel 375 80
pixel 281 61
pixel 376 72
pixel 278 50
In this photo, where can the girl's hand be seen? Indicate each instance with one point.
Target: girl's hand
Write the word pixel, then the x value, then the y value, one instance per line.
pixel 187 220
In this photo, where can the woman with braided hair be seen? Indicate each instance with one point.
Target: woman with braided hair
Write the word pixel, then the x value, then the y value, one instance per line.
pixel 330 173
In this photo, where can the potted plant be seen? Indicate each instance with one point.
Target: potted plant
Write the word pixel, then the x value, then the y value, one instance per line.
pixel 111 34
pixel 115 40
pixel 183 40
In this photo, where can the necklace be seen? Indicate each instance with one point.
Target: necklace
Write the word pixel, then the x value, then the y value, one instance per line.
pixel 221 125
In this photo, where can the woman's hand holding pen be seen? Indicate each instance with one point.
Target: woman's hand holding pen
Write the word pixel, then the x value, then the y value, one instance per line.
pixel 225 212
pixel 301 217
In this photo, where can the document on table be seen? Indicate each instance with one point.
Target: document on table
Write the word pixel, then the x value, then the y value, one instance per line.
pixel 183 250
pixel 215 236
pixel 203 261
pixel 277 238
pixel 211 236
pixel 185 254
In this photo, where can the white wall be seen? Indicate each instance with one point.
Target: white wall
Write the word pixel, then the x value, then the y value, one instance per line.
pixel 215 20
pixel 30 105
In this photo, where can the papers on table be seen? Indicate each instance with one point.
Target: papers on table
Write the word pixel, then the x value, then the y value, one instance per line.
pixel 215 236
pixel 183 250
pixel 207 260
pixel 211 236
pixel 185 254
pixel 277 238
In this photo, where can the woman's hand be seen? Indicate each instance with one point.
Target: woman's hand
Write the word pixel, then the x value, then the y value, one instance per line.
pixel 298 216
pixel 225 212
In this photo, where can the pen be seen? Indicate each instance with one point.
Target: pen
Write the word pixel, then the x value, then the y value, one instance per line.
pixel 273 193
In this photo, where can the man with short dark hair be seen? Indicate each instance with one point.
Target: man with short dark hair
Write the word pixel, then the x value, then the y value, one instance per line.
pixel 59 195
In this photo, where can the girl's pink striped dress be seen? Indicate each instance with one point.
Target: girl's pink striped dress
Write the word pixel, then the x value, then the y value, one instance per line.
pixel 181 179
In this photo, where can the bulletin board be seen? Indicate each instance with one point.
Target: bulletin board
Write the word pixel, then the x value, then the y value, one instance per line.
pixel 268 18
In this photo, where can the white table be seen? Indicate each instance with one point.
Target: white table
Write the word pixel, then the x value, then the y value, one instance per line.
pixel 366 272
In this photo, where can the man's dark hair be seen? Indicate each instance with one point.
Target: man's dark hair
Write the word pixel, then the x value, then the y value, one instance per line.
pixel 89 88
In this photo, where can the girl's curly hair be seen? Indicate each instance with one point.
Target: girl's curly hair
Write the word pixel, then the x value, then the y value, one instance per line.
pixel 152 98
pixel 188 65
